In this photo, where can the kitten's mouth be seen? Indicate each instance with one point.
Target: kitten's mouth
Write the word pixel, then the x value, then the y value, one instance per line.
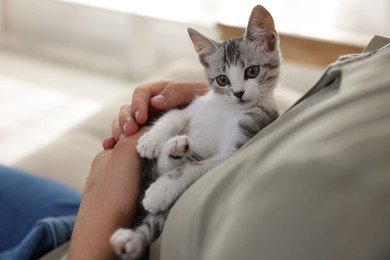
pixel 243 101
pixel 244 104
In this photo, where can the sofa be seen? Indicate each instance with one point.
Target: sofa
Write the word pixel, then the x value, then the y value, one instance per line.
pixel 315 184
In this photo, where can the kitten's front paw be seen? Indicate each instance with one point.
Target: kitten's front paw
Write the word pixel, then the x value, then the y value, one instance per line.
pixel 149 147
pixel 127 244
pixel 159 196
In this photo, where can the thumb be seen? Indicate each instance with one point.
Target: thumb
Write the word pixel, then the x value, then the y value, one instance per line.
pixel 177 94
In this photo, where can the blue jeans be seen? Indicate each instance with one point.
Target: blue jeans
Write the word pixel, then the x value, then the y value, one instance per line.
pixel 36 214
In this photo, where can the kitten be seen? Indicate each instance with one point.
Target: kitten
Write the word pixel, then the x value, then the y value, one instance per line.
pixel 185 144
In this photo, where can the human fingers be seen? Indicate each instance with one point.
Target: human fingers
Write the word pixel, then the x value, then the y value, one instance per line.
pixel 117 134
pixel 177 94
pixel 109 143
pixel 129 143
pixel 126 123
pixel 141 99
pixel 122 126
pixel 116 130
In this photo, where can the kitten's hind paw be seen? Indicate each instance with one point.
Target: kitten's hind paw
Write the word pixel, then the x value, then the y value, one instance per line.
pixel 178 146
pixel 127 244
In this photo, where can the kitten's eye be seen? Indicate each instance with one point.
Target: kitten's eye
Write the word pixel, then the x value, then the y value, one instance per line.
pixel 222 80
pixel 252 72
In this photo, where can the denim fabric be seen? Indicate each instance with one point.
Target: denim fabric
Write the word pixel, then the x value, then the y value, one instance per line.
pixel 45 235
pixel 36 214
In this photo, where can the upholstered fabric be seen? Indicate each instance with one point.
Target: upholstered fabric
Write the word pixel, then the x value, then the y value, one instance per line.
pixel 313 185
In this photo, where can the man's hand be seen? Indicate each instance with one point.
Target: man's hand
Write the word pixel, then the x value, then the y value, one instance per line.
pixel 157 96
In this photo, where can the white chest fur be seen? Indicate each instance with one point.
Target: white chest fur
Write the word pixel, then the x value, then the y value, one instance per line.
pixel 214 124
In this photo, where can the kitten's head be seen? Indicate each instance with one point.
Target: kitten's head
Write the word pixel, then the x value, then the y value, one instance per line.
pixel 245 69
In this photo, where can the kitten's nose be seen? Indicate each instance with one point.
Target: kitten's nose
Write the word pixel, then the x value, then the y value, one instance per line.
pixel 239 94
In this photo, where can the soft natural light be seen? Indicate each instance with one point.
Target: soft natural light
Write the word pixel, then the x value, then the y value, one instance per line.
pixel 353 20
pixel 322 19
pixel 32 116
pixel 173 10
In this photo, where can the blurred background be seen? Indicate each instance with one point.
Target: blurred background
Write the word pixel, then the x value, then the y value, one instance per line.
pixel 61 61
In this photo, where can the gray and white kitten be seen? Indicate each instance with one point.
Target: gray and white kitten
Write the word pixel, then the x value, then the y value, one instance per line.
pixel 184 144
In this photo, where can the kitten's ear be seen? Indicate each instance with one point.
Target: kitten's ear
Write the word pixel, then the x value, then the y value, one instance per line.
pixel 203 45
pixel 261 27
